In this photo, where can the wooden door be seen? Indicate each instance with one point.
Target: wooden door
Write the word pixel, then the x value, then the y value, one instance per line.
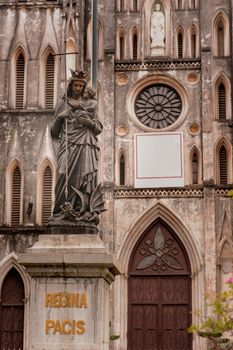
pixel 159 292
pixel 12 312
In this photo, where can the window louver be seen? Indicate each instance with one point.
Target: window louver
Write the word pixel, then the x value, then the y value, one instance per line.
pixel 180 45
pixel 223 166
pixel 46 195
pixel 135 47
pixel 195 169
pixel 222 102
pixel 49 82
pixel 16 196
pixel 20 82
pixel 122 170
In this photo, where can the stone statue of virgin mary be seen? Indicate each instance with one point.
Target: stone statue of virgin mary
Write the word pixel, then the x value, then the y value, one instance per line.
pixel 157 31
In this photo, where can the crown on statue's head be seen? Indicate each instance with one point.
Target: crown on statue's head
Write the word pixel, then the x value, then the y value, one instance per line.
pixel 78 75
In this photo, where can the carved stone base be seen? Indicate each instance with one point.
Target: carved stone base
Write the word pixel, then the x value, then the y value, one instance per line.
pixel 72 229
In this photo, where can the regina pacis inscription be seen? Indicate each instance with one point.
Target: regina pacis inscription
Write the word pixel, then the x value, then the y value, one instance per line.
pixel 65 300
pixel 63 313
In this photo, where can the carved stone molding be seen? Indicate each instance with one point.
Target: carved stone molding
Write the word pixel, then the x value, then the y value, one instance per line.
pixel 158 65
pixel 159 192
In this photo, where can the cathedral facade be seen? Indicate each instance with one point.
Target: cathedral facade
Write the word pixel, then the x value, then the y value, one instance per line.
pixel 164 95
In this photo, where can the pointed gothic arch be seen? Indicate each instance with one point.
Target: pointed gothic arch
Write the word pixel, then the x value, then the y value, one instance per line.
pixel 223 161
pixel 160 211
pixel 8 264
pixel 221 36
pixel 121 167
pixel 18 78
pixel 14 191
pixel 134 43
pixel 180 39
pixel 195 169
pixel 193 35
pixel 159 275
pixel 120 43
pixel 48 77
pixel 45 190
pixel 222 97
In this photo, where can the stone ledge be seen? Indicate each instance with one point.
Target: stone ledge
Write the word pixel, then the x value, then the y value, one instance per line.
pixel 70 265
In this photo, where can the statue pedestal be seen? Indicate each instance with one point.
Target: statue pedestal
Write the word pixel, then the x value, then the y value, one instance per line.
pixel 69 299
pixel 157 51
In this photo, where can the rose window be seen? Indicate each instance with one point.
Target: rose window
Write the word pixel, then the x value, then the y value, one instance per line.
pixel 158 106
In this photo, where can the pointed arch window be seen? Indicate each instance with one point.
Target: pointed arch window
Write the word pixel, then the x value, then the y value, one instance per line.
pixel 20 71
pixel 222 102
pixel 223 165
pixel 12 311
pixel 180 45
pixel 46 195
pixel 49 82
pixel 220 38
pixel 135 46
pixel 195 168
pixel 193 45
pixel 16 197
pixel 122 170
pixel 121 45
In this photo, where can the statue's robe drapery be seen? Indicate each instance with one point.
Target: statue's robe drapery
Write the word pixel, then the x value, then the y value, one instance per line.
pixel 83 154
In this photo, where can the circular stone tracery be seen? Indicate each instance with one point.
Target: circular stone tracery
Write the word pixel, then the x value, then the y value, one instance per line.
pixel 158 106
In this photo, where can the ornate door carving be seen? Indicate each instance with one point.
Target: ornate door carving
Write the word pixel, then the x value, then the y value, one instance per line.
pixel 12 312
pixel 159 292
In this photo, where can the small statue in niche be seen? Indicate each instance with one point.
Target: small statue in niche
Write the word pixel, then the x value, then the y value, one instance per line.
pixel 157 31
pixel 78 198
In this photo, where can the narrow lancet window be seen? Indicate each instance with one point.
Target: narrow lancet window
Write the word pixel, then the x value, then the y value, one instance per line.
pixel 20 69
pixel 180 45
pixel 46 195
pixel 195 169
pixel 16 197
pixel 220 38
pixel 223 165
pixel 222 102
pixel 49 82
pixel 122 170
pixel 122 47
pixel 193 46
pixel 135 47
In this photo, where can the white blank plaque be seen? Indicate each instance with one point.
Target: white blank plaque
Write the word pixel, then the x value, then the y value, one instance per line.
pixel 158 160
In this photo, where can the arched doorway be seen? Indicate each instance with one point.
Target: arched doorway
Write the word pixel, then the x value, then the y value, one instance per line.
pixel 12 312
pixel 159 292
